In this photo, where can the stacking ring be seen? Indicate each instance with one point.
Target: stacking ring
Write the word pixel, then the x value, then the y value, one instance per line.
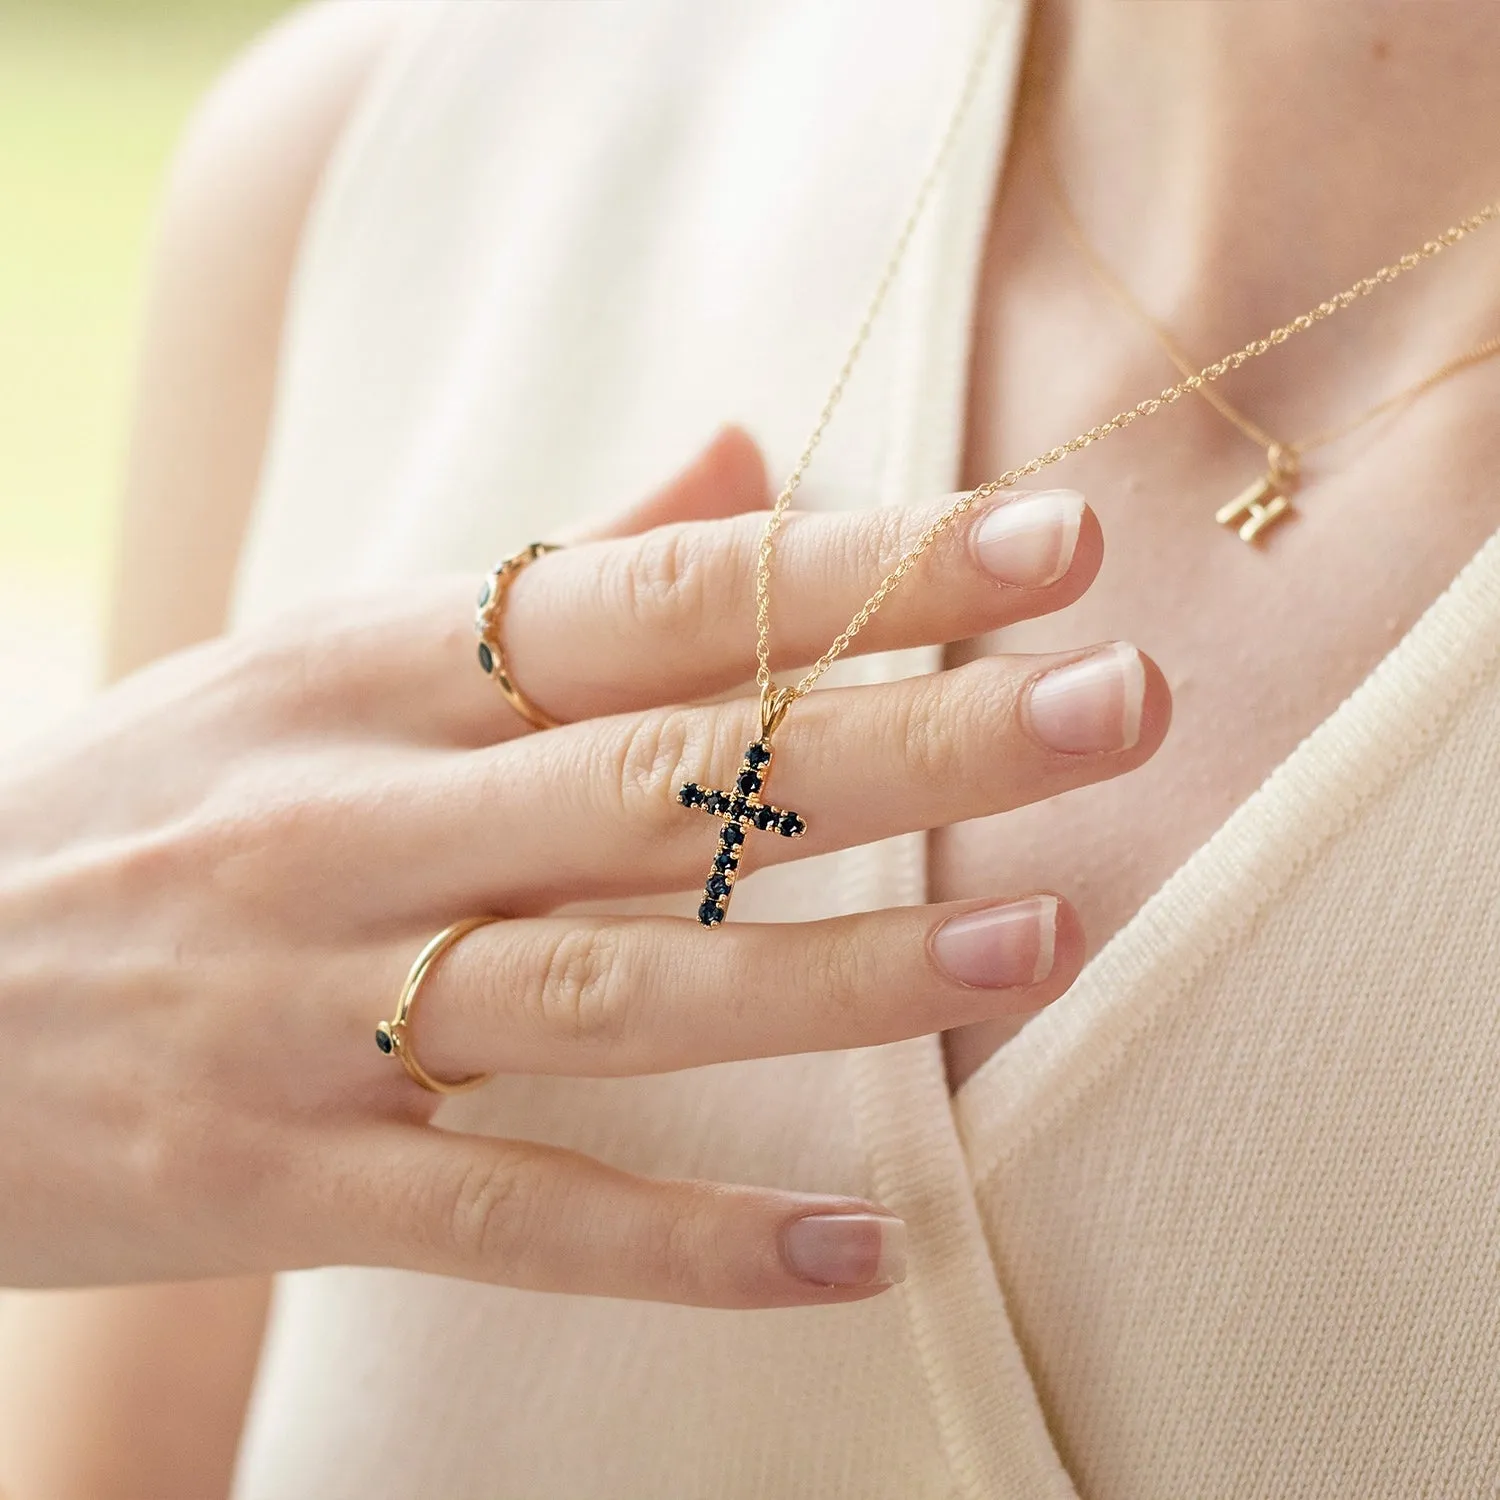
pixel 487 625
pixel 391 1036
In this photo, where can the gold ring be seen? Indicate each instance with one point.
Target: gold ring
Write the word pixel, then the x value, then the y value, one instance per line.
pixel 391 1036
pixel 487 624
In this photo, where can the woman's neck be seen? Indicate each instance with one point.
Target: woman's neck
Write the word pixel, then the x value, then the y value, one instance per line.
pixel 1238 160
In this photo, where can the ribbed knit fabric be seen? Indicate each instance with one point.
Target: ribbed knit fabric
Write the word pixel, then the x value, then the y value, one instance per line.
pixel 1243 1189
pixel 1222 1222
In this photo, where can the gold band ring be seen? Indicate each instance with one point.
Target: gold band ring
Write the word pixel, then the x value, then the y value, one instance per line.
pixel 391 1036
pixel 487 625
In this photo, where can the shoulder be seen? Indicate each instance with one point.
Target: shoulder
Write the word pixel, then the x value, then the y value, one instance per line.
pixel 254 150
pixel 276 111
pixel 236 199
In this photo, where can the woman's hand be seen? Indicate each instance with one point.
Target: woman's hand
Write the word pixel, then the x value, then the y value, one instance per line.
pixel 211 889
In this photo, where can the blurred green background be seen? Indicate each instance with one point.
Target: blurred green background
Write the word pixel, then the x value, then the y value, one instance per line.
pixel 92 96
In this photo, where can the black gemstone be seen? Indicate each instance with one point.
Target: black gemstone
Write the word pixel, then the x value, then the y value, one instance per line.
pixel 726 859
pixel 791 826
pixel 717 886
pixel 737 807
pixel 764 818
pixel 717 803
pixel 486 658
pixel 709 914
pixel 691 795
pixel 758 754
pixel 732 834
pixel 484 594
pixel 384 1042
pixel 749 783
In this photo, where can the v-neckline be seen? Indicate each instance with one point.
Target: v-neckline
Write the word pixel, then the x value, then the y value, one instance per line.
pixel 1179 904
pixel 929 1147
pixel 930 1152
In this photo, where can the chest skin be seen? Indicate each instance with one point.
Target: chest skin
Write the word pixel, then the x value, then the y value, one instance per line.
pixel 1259 644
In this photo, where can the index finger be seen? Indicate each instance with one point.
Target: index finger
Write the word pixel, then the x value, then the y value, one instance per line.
pixel 670 616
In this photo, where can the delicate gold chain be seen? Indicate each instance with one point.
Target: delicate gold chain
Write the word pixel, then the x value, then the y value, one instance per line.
pixel 967 92
pixel 1112 282
pixel 775 702
pixel 1475 356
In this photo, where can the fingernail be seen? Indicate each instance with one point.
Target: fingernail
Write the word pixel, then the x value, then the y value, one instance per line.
pixel 1091 705
pixel 999 945
pixel 1029 541
pixel 846 1249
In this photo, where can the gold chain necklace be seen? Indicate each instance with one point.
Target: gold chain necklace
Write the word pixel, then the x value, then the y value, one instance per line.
pixel 742 807
pixel 1268 499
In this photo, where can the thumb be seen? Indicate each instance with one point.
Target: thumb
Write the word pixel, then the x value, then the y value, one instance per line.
pixel 726 478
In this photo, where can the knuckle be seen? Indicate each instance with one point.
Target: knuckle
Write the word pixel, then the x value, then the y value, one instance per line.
pixel 880 541
pixel 277 676
pixel 162 1163
pixel 663 749
pixel 688 1266
pixel 844 976
pixel 173 1159
pixel 492 1206
pixel 892 533
pixel 951 723
pixel 670 580
pixel 150 867
pixel 933 729
pixel 582 994
pixel 247 850
pixel 202 853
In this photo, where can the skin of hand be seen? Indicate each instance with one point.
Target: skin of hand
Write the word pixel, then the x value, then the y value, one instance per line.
pixel 212 884
pixel 122 1392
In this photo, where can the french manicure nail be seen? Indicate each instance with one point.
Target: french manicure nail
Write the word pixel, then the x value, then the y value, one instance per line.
pixel 846 1249
pixel 1029 541
pixel 1091 705
pixel 999 946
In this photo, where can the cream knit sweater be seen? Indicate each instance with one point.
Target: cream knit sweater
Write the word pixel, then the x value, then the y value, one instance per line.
pixel 1225 1221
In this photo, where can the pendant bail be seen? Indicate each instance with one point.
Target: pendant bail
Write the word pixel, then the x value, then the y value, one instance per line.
pixel 1283 465
pixel 774 703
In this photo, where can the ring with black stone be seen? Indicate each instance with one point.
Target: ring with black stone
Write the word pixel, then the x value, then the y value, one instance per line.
pixel 487 622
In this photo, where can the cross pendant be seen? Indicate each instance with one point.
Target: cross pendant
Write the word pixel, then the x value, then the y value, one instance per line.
pixel 738 810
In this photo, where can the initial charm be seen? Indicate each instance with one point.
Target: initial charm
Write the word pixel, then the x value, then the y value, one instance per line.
pixel 738 810
pixel 1262 504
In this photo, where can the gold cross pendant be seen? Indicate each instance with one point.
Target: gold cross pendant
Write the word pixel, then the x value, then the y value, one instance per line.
pixel 1268 500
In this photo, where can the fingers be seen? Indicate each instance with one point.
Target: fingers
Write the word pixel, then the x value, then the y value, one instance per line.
pixel 669 616
pixel 403 663
pixel 587 996
pixel 592 810
pixel 538 1217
